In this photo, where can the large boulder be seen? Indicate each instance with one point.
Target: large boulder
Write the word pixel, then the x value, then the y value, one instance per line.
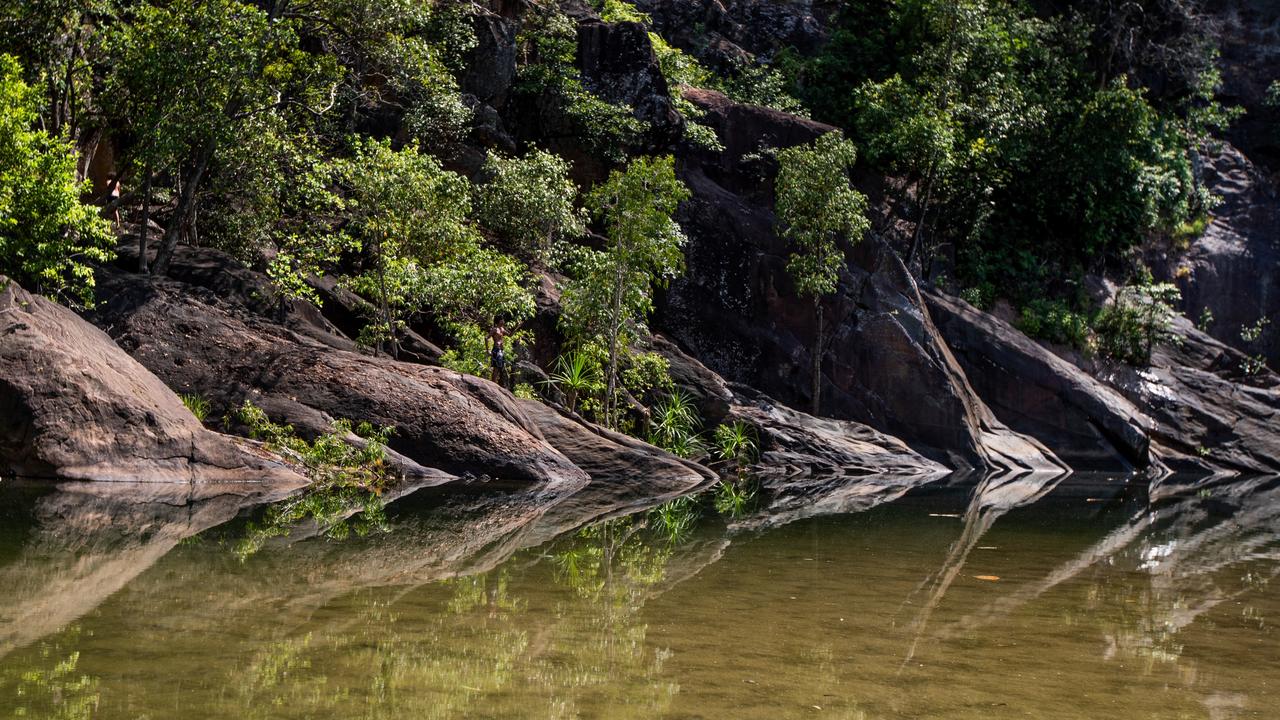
pixel 75 406
pixel 213 341
pixel 794 447
pixel 1210 414
pixel 1086 424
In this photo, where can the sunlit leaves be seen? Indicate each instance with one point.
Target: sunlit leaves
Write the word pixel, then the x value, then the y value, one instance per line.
pixel 817 208
pixel 48 238
pixel 528 203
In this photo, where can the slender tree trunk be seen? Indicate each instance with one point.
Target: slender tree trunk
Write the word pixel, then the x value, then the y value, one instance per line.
pixel 183 212
pixel 817 358
pixel 146 219
pixel 386 304
pixel 615 322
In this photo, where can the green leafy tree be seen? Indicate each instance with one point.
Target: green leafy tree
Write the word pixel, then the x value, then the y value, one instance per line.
pixel 528 203
pixel 611 296
pixel 817 208
pixel 468 293
pixel 187 106
pixel 48 238
pixel 408 214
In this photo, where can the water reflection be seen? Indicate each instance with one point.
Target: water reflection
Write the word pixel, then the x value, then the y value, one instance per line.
pixel 960 598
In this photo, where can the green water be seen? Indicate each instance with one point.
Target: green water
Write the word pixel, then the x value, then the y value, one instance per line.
pixel 1076 598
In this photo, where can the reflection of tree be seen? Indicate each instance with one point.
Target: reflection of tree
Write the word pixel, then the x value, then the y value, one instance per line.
pixel 49 685
pixel 555 631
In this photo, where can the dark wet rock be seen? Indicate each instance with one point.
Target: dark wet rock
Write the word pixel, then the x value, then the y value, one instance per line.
pixel 1086 424
pixel 491 64
pixel 1233 269
pixel 737 311
pixel 73 405
pixel 792 444
pixel 619 65
pixel 615 459
pixel 1209 415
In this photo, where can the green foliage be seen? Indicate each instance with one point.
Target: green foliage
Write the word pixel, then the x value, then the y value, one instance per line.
pixel 49 240
pixel 578 375
pixel 1137 319
pixel 477 287
pixel 55 688
pixel 1055 321
pixel 674 425
pixel 196 404
pixel 1016 143
pixel 675 519
pixel 548 72
pixel 409 215
pixel 348 475
pixel 1189 230
pixel 528 203
pixel 398 54
pixel 735 443
pixel 611 294
pixel 817 208
pixel 734 498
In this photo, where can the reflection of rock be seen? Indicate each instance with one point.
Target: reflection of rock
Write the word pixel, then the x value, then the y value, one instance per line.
pixel 90 540
pixel 1194 552
pixel 993 497
pixel 75 406
pixel 1084 422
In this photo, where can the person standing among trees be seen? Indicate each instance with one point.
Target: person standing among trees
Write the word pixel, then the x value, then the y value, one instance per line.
pixel 496 345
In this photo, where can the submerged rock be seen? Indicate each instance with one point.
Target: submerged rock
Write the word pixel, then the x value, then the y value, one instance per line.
pixel 75 406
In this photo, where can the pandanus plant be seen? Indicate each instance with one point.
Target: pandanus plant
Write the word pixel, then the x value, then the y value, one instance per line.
pixel 575 375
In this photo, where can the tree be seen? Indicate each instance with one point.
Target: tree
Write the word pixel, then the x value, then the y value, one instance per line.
pixel 611 296
pixel 528 203
pixel 187 105
pixel 817 208
pixel 468 293
pixel 48 238
pixel 408 214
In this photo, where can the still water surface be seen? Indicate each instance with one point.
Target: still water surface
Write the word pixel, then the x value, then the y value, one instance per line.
pixel 1038 598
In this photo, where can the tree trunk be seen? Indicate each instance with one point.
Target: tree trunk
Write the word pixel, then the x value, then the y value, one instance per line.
pixel 817 359
pixel 615 324
pixel 182 213
pixel 146 219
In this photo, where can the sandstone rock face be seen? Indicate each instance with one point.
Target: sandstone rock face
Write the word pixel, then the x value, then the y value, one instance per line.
pixel 198 342
pixel 213 340
pixel 1233 270
pixel 1209 415
pixel 1086 424
pixel 737 311
pixel 75 406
